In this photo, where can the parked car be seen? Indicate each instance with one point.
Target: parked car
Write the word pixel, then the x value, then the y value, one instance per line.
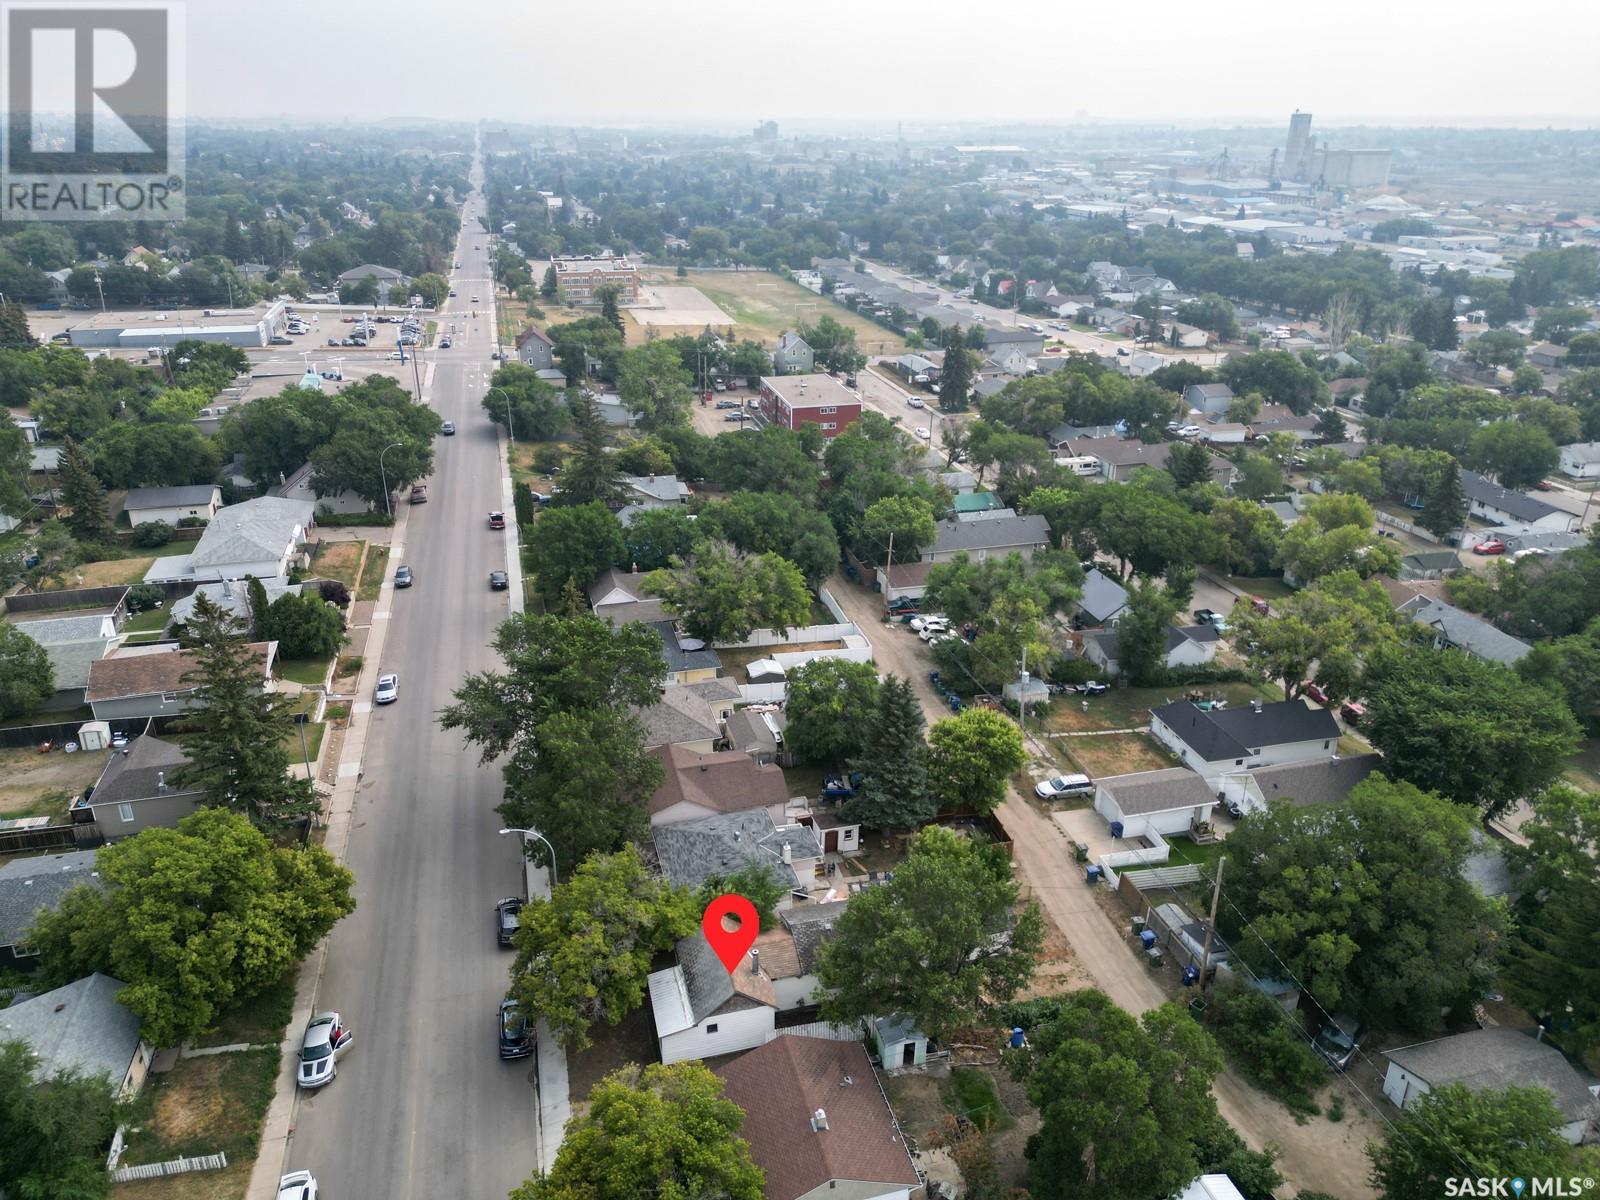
pixel 922 432
pixel 920 621
pixel 1315 692
pixel 506 919
pixel 325 1040
pixel 1204 616
pixel 419 493
pixel 448 429
pixel 1064 785
pixel 516 1039
pixel 402 577
pixel 498 581
pixel 279 339
pixel 916 402
pixel 733 416
pixel 297 1185
pixel 388 690
pixel 904 604
pixel 1337 1041
pixel 1189 431
pixel 444 343
pixel 1353 711
pixel 729 402
pixel 497 520
pixel 1094 688
pixel 1490 546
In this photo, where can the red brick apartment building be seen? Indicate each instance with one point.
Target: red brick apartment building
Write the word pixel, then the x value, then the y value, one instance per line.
pixel 795 400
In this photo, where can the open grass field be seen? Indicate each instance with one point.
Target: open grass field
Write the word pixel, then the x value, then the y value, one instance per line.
pixel 762 306
pixel 112 572
pixel 1129 708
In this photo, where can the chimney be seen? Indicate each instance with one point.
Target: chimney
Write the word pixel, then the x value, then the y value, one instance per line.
pixel 755 962
pixel 788 853
pixel 161 781
pixel 819 1121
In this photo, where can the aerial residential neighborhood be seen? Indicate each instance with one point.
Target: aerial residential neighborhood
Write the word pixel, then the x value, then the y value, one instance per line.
pixel 563 641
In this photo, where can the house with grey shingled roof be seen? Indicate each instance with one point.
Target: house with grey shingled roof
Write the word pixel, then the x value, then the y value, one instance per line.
pixel 1104 600
pixel 1490 1059
pixel 1302 784
pixel 1456 629
pixel 1169 801
pixel 29 886
pixel 232 596
pixel 701 1009
pixel 1514 511
pixel 170 505
pixel 72 642
pixel 689 715
pixel 81 1028
pixel 137 790
pixel 1187 646
pixel 691 852
pixel 981 540
pixel 264 537
pixel 1217 742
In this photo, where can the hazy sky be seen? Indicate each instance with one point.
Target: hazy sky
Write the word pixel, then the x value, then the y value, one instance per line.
pixel 733 61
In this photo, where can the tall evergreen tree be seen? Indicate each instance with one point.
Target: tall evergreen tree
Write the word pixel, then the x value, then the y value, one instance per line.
pixel 591 472
pixel 549 289
pixel 238 750
pixel 83 496
pixel 1445 507
pixel 14 331
pixel 609 309
pixel 894 766
pixel 257 592
pixel 955 378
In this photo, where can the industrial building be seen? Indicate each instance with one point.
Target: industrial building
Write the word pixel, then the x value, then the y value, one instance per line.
pixel 155 335
pixel 1306 162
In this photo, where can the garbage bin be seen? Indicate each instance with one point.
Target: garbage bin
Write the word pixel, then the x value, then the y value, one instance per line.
pixel 1197 1007
pixel 1081 850
pixel 1138 924
pixel 1147 938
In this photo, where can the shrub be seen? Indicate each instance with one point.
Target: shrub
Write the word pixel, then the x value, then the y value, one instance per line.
pixel 335 520
pixel 152 533
pixel 145 595
pixel 192 522
pixel 1266 1045
pixel 547 458
pixel 334 592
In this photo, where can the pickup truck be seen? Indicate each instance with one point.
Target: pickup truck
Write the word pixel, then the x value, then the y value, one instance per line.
pixel 419 493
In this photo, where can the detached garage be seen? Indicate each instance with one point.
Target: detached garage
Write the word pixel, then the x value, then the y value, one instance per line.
pixel 1166 802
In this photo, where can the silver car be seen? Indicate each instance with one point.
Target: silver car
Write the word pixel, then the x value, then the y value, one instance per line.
pixel 388 689
pixel 325 1040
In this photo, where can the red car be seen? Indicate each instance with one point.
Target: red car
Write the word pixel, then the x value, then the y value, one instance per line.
pixel 1315 692
pixel 497 520
pixel 1353 712
pixel 1492 546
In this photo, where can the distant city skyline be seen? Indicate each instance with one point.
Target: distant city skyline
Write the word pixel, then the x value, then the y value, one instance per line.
pixel 729 63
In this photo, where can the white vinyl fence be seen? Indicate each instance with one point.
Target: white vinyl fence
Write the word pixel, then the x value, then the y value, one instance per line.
pixel 176 1166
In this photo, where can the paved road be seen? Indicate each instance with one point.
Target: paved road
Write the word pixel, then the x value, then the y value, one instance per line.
pixel 422 1106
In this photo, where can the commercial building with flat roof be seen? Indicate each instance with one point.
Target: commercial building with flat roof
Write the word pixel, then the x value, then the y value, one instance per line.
pixel 795 400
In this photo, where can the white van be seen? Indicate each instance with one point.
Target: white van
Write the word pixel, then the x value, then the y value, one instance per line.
pixel 1080 464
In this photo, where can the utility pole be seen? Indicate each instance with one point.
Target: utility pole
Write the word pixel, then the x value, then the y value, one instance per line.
pixel 887 562
pixel 1211 925
pixel 1022 696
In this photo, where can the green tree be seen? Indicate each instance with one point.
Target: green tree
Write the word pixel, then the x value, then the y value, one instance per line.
pixel 54 1132
pixel 1331 625
pixel 14 331
pixel 304 626
pixel 757 882
pixel 1518 455
pixel 57 552
pixel 656 536
pixel 609 311
pixel 830 707
pixel 194 920
pixel 1188 463
pixel 563 712
pixel 238 746
pixel 1364 903
pixel 373 449
pixel 1122 1100
pixel 971 758
pixel 1142 633
pixel 1279 376
pixel 1310 549
pixel 1259 477
pixel 432 287
pixel 759 522
pixel 1496 348
pixel 16 463
pixel 83 496
pixel 1453 1130
pixel 528 406
pixel 967 591
pixel 955 377
pixel 1445 505
pixel 583 954
pixel 574 543
pixel 549 287
pixel 904 948
pixel 27 679
pixel 722 596
pixel 1559 324
pixel 906 520
pixel 1247 536
pixel 1330 426
pixel 662 1131
pixel 894 762
pixel 591 475
pixel 1473 729
pixel 1553 960
pixel 163 454
pixel 652 382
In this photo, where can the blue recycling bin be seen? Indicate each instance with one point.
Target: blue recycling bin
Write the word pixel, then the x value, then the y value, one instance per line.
pixel 1116 829
pixel 1191 976
pixel 1016 1037
pixel 1147 938
pixel 1092 874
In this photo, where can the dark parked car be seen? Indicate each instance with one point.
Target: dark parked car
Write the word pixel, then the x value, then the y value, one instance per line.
pixel 402 577
pixel 499 581
pixel 1204 616
pixel 506 920
pixel 516 1039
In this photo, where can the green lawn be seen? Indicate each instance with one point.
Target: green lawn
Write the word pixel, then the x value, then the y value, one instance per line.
pixel 1268 587
pixel 1187 853
pixel 1129 708
pixel 971 1093
pixel 152 620
pixel 204 1106
pixel 372 573
pixel 307 671
pixel 259 1021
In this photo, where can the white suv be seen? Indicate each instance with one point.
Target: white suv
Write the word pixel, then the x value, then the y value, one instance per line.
pixel 298 1185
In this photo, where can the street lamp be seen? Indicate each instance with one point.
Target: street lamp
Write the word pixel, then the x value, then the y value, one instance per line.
pixel 384 476
pixel 547 846
pixel 511 431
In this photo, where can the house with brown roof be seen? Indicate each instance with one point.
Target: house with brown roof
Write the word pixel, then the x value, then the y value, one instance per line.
pixel 705 785
pixel 148 681
pixel 818 1122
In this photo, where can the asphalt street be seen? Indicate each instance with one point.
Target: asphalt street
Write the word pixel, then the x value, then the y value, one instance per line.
pixel 422 1106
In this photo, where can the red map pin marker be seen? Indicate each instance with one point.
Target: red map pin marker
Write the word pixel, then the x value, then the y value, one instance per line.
pixel 729 945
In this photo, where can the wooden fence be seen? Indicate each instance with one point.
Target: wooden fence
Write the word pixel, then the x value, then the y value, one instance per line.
pixel 175 1166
